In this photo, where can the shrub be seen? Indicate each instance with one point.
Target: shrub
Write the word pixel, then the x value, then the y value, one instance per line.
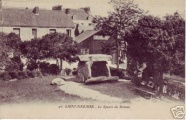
pixel 32 66
pixel 29 73
pixel 67 71
pixel 122 74
pixel 33 74
pixel 13 74
pixel 74 71
pixel 5 76
pixel 44 67
pixel 23 75
pixel 15 63
pixel 39 74
pixel 53 69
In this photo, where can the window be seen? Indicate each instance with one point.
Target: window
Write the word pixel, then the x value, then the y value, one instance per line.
pixel 89 18
pixel 84 51
pixel 34 33
pixel 16 31
pixel 74 17
pixel 68 32
pixel 52 30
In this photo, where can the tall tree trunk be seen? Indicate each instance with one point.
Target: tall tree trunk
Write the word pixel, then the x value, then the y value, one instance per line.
pixel 161 82
pixel 61 64
pixel 57 62
pixel 158 77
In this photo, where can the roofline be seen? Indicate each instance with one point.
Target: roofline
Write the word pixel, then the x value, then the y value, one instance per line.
pixel 89 36
pixel 34 26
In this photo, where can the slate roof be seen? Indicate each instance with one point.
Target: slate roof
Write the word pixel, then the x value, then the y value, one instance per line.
pixel 80 14
pixel 83 36
pixel 26 18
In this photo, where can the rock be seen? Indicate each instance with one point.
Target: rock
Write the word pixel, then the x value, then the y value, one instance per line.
pixel 58 81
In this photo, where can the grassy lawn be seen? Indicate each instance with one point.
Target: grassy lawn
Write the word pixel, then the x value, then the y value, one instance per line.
pixel 121 89
pixel 40 90
pixel 33 90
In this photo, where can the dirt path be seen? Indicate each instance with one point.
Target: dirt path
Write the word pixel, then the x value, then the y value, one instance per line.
pixel 73 88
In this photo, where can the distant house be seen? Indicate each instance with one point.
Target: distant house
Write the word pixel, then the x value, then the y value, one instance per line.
pixel 82 18
pixel 33 23
pixel 91 42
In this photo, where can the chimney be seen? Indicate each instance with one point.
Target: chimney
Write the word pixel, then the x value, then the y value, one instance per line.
pixel 36 10
pixel 57 7
pixel 87 10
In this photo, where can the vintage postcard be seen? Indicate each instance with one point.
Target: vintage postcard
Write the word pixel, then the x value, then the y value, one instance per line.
pixel 92 59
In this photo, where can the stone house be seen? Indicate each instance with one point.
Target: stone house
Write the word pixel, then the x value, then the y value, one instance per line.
pixel 81 18
pixel 33 23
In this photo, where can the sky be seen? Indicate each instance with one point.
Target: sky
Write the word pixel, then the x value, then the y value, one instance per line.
pixel 101 7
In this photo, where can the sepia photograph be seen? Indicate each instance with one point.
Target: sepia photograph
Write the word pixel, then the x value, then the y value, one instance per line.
pixel 92 59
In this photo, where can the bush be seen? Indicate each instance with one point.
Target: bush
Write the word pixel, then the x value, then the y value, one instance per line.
pixel 33 74
pixel 32 66
pixel 23 75
pixel 74 71
pixel 67 71
pixel 13 74
pixel 39 74
pixel 53 69
pixel 29 73
pixel 44 67
pixel 15 63
pixel 122 74
pixel 5 76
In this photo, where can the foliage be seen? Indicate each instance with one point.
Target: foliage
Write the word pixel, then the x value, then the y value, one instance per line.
pixel 10 43
pixel 58 45
pixel 32 65
pixel 13 74
pixel 118 24
pixel 15 63
pixel 125 16
pixel 13 42
pixel 152 43
pixel 31 49
pixel 67 71
pixel 53 69
pixel 3 49
pixel 5 76
pixel 23 75
pixel 120 73
pixel 43 66
pixel 39 73
pixel 31 74
pixel 74 71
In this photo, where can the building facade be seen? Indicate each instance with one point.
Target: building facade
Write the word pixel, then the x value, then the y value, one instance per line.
pixel 35 23
pixel 91 42
pixel 81 18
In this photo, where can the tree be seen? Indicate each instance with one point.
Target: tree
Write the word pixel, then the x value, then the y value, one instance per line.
pixel 175 26
pixel 31 50
pixel 3 50
pixel 13 41
pixel 10 43
pixel 121 21
pixel 58 46
pixel 152 42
